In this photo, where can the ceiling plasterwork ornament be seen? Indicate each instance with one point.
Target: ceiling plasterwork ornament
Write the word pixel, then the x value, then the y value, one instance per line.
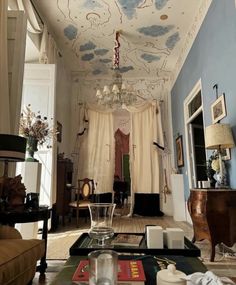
pixel 191 35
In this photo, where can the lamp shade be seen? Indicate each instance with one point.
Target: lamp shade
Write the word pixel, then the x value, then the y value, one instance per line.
pixel 12 147
pixel 219 136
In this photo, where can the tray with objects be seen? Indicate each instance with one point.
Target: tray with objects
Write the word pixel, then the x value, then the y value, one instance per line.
pixel 84 244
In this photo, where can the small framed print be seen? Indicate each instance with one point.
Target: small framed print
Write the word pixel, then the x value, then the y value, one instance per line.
pixel 179 151
pixel 59 131
pixel 226 155
pixel 218 109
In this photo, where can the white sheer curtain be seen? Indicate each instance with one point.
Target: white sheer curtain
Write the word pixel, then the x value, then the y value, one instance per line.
pixel 97 150
pixel 4 90
pixel 48 48
pixel 34 24
pixel 144 157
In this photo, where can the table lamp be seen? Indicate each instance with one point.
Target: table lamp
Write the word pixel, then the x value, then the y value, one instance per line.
pixel 219 137
pixel 12 148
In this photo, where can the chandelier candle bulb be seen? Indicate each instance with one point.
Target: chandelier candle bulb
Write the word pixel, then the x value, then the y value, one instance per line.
pixel 99 94
pixel 106 90
pixel 123 87
pixel 115 89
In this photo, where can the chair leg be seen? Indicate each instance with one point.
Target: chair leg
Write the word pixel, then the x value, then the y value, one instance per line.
pixel 77 217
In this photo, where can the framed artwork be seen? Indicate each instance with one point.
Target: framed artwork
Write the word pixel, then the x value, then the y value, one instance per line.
pixel 218 109
pixel 59 130
pixel 179 151
pixel 226 155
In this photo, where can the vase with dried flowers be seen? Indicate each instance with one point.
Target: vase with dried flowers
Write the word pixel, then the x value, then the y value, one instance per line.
pixel 36 129
pixel 216 178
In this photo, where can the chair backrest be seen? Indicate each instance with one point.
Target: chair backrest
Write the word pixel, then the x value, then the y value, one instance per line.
pixel 86 188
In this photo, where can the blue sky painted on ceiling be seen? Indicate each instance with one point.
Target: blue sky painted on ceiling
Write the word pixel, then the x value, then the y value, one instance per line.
pixel 150 57
pixel 87 57
pixel 128 7
pixel 157 38
pixel 87 46
pixel 155 30
pixel 160 4
pixel 101 51
pixel 124 69
pixel 105 60
pixel 91 4
pixel 172 40
pixel 70 32
pixel 97 71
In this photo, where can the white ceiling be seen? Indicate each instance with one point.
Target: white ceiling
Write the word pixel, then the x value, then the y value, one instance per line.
pixel 153 33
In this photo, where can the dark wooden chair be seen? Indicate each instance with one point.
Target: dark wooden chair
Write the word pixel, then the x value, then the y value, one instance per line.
pixel 121 192
pixel 83 197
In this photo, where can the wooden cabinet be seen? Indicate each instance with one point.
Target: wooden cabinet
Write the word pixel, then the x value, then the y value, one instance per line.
pixel 213 212
pixel 64 181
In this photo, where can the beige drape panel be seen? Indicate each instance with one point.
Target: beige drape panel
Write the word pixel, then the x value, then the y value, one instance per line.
pixel 4 89
pixel 144 157
pixel 97 151
pixel 48 48
pixel 34 24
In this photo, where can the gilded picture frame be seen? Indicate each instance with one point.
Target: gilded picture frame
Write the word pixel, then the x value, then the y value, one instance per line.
pixel 179 151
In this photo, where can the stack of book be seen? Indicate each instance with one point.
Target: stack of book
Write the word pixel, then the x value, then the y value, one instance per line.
pixel 130 240
pixel 130 272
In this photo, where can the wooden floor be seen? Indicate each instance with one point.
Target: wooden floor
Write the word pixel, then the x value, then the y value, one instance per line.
pixel 60 241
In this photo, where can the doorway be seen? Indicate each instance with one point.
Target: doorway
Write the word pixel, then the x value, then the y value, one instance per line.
pixel 195 141
pixel 199 148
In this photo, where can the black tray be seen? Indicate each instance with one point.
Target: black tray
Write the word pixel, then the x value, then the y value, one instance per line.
pixel 84 244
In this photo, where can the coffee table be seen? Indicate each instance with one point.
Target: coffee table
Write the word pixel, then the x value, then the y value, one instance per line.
pixel 151 266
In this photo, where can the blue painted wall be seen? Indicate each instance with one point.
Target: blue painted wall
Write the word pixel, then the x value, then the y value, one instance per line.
pixel 213 59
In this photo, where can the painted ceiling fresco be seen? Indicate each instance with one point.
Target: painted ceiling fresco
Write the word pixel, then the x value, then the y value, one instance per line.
pixel 151 34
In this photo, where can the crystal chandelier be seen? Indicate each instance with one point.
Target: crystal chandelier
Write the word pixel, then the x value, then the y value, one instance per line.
pixel 119 95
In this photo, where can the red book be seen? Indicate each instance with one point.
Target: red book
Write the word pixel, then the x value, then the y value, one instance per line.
pixel 128 270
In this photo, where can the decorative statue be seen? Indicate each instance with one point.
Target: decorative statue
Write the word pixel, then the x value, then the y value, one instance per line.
pixel 15 191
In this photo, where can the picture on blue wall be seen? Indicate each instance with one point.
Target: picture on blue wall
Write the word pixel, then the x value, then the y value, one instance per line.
pixel 179 151
pixel 218 109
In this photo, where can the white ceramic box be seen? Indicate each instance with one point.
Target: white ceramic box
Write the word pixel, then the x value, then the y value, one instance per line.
pixel 173 238
pixel 154 236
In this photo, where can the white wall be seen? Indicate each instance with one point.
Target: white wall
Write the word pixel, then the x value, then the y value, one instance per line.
pixel 63 107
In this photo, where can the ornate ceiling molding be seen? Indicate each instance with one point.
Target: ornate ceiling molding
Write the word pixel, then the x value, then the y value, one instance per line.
pixel 191 35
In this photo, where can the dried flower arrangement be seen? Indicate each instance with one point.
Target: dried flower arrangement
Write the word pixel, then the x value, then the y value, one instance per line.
pixel 36 126
pixel 212 164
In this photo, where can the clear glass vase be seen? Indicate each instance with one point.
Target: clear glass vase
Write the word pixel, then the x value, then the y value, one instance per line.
pixel 101 215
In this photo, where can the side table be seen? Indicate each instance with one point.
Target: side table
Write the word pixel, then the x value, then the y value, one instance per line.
pixel 213 212
pixel 23 215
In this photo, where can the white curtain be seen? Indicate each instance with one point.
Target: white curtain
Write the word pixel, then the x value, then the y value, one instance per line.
pixel 144 156
pixel 97 150
pixel 48 48
pixel 34 24
pixel 4 89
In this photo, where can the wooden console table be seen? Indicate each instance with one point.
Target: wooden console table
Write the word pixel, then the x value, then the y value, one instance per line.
pixel 213 212
pixel 21 215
